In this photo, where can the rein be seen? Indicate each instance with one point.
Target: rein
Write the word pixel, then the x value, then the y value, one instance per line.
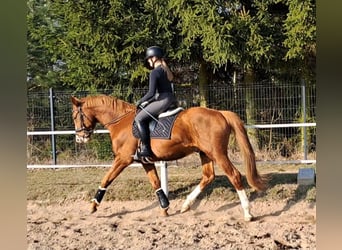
pixel 115 120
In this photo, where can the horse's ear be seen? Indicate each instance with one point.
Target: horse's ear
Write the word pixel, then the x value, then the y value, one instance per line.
pixel 75 101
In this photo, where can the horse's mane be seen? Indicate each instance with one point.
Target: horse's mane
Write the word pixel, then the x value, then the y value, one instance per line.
pixel 110 101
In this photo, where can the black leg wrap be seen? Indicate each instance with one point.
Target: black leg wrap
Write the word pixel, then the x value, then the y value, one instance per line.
pixel 163 200
pixel 99 195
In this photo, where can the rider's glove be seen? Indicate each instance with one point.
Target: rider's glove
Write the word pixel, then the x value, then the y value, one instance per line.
pixel 142 105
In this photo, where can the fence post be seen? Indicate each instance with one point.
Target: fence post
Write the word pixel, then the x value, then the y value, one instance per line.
pixel 305 150
pixel 53 142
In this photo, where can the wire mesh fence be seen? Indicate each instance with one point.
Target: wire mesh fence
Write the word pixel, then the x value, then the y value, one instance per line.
pixel 267 104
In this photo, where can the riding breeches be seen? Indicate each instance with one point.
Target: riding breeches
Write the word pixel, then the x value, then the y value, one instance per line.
pixel 156 107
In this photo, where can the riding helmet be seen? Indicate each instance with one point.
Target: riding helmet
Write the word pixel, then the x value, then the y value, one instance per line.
pixel 153 51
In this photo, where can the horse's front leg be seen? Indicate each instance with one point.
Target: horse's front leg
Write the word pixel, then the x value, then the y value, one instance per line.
pixel 155 182
pixel 113 172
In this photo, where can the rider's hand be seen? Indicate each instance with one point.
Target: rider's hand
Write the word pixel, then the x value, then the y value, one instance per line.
pixel 137 104
pixel 142 105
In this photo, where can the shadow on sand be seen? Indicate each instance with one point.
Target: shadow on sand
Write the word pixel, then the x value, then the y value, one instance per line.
pixel 221 183
pixel 275 190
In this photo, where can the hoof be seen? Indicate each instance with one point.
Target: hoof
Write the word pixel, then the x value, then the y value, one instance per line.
pixel 93 208
pixel 164 212
pixel 248 218
pixel 185 209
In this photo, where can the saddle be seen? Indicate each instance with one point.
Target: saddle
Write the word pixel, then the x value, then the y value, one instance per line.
pixel 161 128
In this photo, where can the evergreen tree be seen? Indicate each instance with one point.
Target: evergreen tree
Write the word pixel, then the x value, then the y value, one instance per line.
pixel 42 68
pixel 101 44
pixel 300 37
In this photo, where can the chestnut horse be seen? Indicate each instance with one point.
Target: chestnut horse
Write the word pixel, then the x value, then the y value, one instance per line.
pixel 196 129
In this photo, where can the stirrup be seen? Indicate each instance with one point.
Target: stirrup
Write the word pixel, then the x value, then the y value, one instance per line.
pixel 143 159
pixel 146 160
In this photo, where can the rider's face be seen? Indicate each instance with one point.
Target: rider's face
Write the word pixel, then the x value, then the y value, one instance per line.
pixel 151 61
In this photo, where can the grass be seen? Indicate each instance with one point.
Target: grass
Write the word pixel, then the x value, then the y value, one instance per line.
pixel 53 186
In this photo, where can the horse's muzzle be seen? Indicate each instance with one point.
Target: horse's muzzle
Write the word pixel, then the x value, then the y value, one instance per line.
pixel 82 139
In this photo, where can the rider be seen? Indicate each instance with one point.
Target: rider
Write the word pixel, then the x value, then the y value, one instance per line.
pixel 158 99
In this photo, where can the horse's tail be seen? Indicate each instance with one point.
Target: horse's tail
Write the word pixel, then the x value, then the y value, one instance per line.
pixel 254 179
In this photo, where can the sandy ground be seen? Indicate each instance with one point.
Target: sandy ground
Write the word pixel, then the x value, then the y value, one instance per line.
pixel 139 225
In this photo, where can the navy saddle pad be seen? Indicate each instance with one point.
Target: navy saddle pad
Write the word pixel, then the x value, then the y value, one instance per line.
pixel 161 129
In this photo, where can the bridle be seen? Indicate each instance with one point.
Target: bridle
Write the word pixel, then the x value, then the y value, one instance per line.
pixel 89 131
pixel 83 128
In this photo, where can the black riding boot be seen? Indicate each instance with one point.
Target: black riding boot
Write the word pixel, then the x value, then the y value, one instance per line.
pixel 145 150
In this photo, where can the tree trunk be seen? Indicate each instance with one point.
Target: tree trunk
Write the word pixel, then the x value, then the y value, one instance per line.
pixel 250 107
pixel 308 68
pixel 203 83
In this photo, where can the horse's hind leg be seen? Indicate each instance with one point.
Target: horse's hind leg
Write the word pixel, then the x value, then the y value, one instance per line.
pixel 155 182
pixel 208 175
pixel 234 177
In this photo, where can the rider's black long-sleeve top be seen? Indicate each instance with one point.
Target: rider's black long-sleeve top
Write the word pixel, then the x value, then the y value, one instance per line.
pixel 158 83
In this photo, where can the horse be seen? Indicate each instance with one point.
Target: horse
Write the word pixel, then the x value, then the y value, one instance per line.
pixel 196 129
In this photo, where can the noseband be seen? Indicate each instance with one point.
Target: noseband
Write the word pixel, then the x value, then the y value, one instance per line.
pixel 87 131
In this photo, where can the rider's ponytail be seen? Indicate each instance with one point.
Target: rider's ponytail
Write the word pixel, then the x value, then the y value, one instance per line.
pixel 167 69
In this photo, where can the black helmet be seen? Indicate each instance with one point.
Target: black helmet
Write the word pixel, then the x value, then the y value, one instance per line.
pixel 153 51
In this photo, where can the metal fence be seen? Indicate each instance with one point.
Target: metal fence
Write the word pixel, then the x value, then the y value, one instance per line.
pixel 283 122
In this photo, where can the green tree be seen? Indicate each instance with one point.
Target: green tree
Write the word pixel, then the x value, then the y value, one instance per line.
pixel 100 44
pixel 205 38
pixel 42 69
pixel 300 37
pixel 300 32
